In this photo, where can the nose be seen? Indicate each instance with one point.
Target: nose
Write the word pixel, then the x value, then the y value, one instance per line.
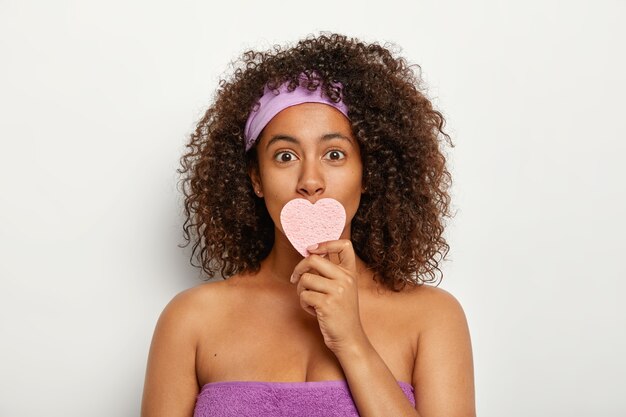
pixel 311 181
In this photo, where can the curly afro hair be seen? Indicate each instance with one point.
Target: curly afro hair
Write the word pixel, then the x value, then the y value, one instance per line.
pixel 398 227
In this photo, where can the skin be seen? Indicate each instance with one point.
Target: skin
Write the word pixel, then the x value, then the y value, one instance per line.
pixel 334 321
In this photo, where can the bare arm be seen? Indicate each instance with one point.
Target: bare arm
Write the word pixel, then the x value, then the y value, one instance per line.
pixel 372 385
pixel 444 372
pixel 443 375
pixel 171 386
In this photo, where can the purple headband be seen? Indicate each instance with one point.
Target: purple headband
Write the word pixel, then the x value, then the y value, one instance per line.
pixel 271 104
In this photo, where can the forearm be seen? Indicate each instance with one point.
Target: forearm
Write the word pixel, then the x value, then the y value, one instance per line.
pixel 374 389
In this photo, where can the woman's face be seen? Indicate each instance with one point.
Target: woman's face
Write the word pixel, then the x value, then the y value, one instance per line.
pixel 308 151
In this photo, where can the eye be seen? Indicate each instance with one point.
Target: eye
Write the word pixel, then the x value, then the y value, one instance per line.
pixel 335 152
pixel 335 156
pixel 282 159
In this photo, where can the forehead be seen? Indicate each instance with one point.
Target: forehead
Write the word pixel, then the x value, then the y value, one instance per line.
pixel 309 115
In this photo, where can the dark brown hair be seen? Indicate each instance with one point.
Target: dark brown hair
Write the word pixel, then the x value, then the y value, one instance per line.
pixel 398 227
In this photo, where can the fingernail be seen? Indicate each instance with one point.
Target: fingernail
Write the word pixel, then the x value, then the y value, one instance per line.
pixel 312 247
pixel 291 279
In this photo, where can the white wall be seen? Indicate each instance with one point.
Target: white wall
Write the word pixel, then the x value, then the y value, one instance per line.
pixel 97 100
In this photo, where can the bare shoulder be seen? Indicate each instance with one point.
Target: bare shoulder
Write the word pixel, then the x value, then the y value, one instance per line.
pixel 432 305
pixel 443 371
pixel 186 302
pixel 191 304
pixel 184 317
pixel 171 385
pixel 443 297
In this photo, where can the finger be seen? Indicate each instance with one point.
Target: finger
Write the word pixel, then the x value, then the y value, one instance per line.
pixel 310 301
pixel 312 282
pixel 340 252
pixel 322 267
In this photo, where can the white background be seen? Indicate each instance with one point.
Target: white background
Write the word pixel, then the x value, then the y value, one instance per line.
pixel 98 98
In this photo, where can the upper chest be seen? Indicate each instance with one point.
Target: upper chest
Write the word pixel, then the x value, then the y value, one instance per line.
pixel 267 336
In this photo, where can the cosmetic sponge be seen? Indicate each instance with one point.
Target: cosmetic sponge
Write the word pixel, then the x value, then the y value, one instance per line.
pixel 306 224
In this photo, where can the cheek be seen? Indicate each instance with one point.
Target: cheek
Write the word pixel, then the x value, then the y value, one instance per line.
pixel 356 186
pixel 350 183
pixel 274 211
pixel 277 190
pixel 350 197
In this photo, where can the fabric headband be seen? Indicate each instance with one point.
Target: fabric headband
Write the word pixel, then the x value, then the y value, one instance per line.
pixel 271 104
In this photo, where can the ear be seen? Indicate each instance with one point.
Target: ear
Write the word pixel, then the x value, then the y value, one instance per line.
pixel 253 173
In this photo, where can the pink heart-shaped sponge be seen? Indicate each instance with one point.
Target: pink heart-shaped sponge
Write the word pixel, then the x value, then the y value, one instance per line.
pixel 305 223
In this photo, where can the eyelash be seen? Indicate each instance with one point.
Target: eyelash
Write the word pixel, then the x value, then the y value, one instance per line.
pixel 330 150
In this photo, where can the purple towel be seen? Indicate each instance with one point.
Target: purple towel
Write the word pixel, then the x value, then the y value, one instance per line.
pixel 276 399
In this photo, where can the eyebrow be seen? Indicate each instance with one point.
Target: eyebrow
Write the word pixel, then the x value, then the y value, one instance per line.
pixel 326 137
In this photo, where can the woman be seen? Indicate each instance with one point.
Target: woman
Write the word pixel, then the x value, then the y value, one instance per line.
pixel 347 328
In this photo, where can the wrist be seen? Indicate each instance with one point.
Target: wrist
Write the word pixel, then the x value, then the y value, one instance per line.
pixel 354 351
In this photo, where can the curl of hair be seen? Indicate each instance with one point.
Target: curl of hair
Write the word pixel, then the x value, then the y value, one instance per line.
pixel 398 227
